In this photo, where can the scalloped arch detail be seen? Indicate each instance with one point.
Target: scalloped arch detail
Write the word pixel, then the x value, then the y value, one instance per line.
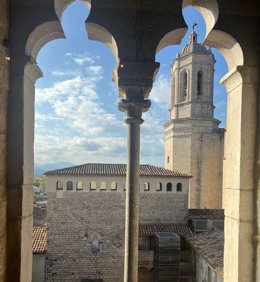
pixel 41 35
pixel 171 38
pixel 207 8
pixel 99 33
pixel 227 46
pixel 61 5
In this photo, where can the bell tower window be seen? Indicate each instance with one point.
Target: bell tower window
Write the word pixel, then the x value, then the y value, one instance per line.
pixel 183 85
pixel 199 83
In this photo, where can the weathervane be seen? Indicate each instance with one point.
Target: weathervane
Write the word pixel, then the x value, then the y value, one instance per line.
pixel 193 26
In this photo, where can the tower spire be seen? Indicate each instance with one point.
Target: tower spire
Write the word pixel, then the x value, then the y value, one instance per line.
pixel 193 35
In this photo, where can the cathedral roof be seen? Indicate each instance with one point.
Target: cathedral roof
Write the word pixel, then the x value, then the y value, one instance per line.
pixel 115 169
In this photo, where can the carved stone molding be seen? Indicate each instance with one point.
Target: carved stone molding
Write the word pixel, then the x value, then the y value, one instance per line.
pixel 134 109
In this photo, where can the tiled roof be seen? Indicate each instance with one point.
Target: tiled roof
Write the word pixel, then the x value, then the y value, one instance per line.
pixel 150 229
pixel 206 214
pixel 210 246
pixel 39 240
pixel 114 169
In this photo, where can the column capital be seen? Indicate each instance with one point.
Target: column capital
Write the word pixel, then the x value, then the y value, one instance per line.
pixel 134 109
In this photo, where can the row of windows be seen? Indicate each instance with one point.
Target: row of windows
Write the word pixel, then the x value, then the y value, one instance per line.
pixel 113 186
pixel 184 83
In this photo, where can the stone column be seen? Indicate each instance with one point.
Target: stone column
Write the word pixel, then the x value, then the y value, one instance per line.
pixel 4 85
pixel 135 81
pixel 133 107
pixel 19 167
pixel 239 173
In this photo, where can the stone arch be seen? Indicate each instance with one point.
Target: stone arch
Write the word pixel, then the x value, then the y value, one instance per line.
pixel 59 185
pixel 99 33
pixel 173 37
pixel 41 35
pixel 61 5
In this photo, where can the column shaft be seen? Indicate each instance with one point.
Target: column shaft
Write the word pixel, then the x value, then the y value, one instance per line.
pixel 132 204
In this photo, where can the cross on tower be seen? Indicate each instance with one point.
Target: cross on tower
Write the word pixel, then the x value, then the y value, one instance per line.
pixel 193 26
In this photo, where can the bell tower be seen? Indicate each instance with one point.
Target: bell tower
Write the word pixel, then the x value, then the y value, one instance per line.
pixel 193 139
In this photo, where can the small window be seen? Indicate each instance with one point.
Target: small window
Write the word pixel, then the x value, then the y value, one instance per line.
pixel 169 187
pixel 179 187
pixel 95 245
pixel 79 185
pixel 69 185
pixel 158 186
pixel 199 83
pixel 113 185
pixel 93 185
pixel 200 225
pixel 59 185
pixel 144 243
pixel 103 185
pixel 185 84
pixel 146 186
pixel 168 159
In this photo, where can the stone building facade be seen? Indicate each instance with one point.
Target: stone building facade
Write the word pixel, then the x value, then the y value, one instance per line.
pixel 86 216
pixel 193 140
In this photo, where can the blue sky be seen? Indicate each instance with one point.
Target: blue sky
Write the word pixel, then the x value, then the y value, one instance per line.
pixel 77 119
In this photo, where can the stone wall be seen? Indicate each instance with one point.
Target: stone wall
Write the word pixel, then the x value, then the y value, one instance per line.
pixel 80 219
pixel 204 272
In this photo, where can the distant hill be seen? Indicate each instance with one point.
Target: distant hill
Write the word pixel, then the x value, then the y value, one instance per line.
pixel 41 169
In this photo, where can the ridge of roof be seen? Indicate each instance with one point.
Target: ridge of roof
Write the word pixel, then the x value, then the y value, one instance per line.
pixel 114 169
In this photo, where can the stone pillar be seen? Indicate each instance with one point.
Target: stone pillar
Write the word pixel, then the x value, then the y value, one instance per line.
pixel 134 89
pixel 20 136
pixel 4 85
pixel 239 173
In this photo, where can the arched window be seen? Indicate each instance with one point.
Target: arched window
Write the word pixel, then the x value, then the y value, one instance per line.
pixel 113 185
pixel 79 185
pixel 179 187
pixel 146 186
pixel 183 89
pixel 185 84
pixel 158 186
pixel 93 185
pixel 199 83
pixel 69 185
pixel 103 185
pixel 59 185
pixel 95 245
pixel 169 187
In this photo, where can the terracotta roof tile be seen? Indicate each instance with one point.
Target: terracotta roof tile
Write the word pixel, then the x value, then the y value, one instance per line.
pixel 210 246
pixel 39 240
pixel 114 169
pixel 150 229
pixel 206 214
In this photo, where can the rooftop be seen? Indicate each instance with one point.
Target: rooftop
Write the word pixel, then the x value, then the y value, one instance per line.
pixel 115 169
pixel 210 246
pixel 206 214
pixel 150 229
pixel 39 240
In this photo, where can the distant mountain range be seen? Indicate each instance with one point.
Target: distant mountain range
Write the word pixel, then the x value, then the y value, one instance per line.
pixel 41 169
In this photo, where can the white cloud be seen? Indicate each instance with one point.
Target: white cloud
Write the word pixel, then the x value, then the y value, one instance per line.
pixel 81 59
pixel 161 91
pixel 74 124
